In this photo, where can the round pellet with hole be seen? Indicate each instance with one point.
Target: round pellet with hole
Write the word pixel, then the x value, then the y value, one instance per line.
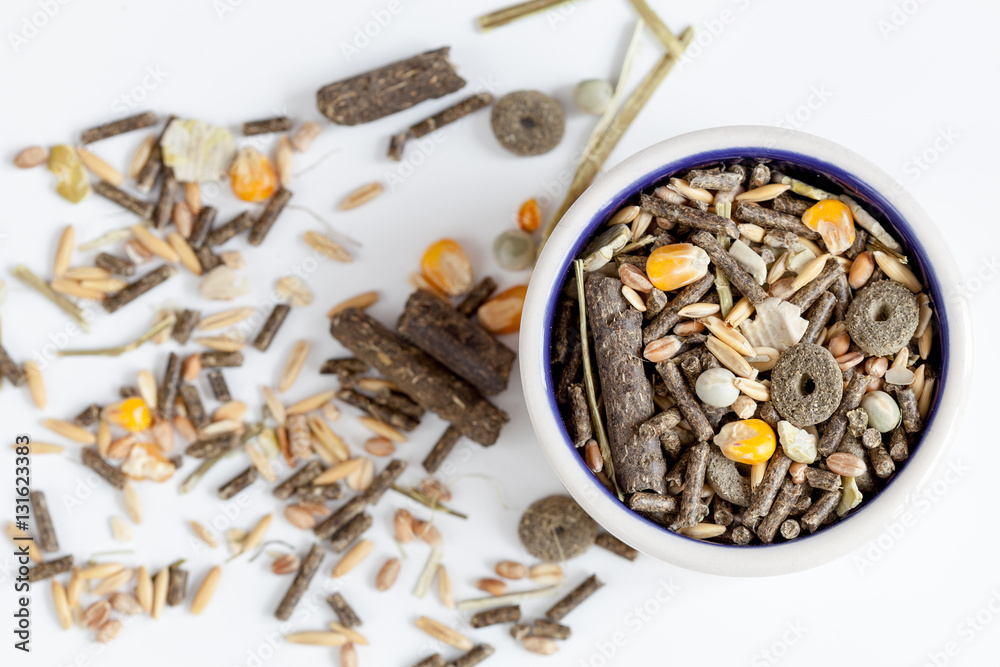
pixel 883 317
pixel 806 384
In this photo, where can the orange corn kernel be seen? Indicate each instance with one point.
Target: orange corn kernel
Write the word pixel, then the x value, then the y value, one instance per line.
pixel 673 266
pixel 132 414
pixel 252 175
pixel 833 220
pixel 447 268
pixel 529 218
pixel 502 313
pixel 747 441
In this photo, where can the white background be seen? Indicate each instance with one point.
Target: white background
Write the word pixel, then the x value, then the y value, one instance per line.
pixel 886 79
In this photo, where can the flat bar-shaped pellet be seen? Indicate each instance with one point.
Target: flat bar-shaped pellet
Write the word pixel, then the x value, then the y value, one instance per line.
pixel 419 376
pixel 271 326
pixel 694 481
pixel 341 517
pixel 451 114
pixel 217 445
pixel 134 290
pixel 176 585
pixel 822 479
pixel 11 370
pixel 439 452
pixel 192 401
pixel 383 481
pixel 767 218
pixel 143 209
pixel 807 294
pixel 216 359
pixel 50 568
pixel 345 613
pixel 165 203
pixel 377 410
pixel 167 395
pixel 573 599
pixel 96 462
pixel 456 341
pixel 299 478
pixel 713 179
pixel 238 483
pixel 43 522
pixel 738 276
pixel 269 216
pixel 763 496
pixel 476 297
pixel 628 396
pixel 185 325
pixel 668 317
pixel 240 223
pixel 219 387
pixel 136 122
pixel 508 614
pixel 386 90
pixel 780 509
pixel 351 531
pixel 202 228
pixel 837 425
pixel 686 402
pixel 267 125
pixel 691 217
pixel 614 545
pixel 120 266
pixel 307 570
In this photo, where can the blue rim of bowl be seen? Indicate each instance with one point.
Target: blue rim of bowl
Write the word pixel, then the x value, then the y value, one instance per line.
pixel 874 201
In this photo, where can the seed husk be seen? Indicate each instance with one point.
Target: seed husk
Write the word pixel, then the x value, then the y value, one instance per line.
pixel 314 402
pixel 206 590
pixel 443 633
pixel 327 247
pixel 361 195
pixel 112 582
pixel 295 290
pixel 19 538
pixel 293 365
pixel 317 638
pixel 352 558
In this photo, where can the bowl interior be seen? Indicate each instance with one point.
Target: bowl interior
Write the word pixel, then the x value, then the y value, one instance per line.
pixel 810 170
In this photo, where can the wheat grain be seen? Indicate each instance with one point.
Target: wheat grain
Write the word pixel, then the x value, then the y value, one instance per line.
pixel 352 558
pixel 64 252
pixel 443 633
pixel 361 301
pixel 361 195
pixel 382 429
pixel 327 247
pixel 293 365
pixel 99 167
pixel 311 403
pixel 206 590
pixel 154 243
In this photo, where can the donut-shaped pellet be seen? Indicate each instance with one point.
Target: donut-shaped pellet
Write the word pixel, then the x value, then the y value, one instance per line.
pixel 883 318
pixel 528 122
pixel 806 384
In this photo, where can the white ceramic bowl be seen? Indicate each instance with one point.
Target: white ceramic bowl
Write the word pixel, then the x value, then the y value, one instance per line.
pixel 908 222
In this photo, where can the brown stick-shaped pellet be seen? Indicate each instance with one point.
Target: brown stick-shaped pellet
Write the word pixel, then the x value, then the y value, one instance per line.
pixel 562 330
pixel 120 266
pixel 269 216
pixel 202 229
pixel 237 225
pixel 165 202
pixel 299 478
pixel 692 217
pixel 154 164
pixel 11 370
pixel 451 114
pixel 219 387
pixel 378 411
pixel 737 275
pixel 808 293
pixel 96 462
pixel 135 289
pixel 841 289
pixel 114 128
pixel 400 403
pixel 543 628
pixel 167 395
pixel 660 423
pixel 579 421
pixel 176 585
pixel 818 315
pixel 88 415
pixel 50 568
pixel 345 613
pixel 383 481
pixel 143 209
pixel 882 463
pixel 238 483
pixel 267 125
pixel 343 366
pixel 397 143
pixel 573 599
pixel 339 519
pixel 474 656
pixel 694 481
pixel 439 452
pixel 215 359
pixel 712 179
pixel 271 326
pixel 653 502
pixel 43 522
pixel 790 529
pixel 571 372
pixel 787 497
pixel 899 446
pixel 668 317
pixel 192 401
pixel 755 214
pixel 788 203
pixel 616 546
pixel 823 479
pixel 308 568
pixel 207 259
pixel 217 445
pixel 628 396
pixel 477 296
pixel 350 532
pixel 820 510
pixel 185 325
pixel 908 408
pixel 837 425
pixel 320 493
pixel 507 614
pixel 686 402
pixel 763 496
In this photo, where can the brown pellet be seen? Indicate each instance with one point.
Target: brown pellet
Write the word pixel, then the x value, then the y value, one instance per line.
pixel 165 203
pixel 120 266
pixel 507 614
pixel 237 225
pixel 271 326
pixel 378 410
pixel 383 481
pixel 50 568
pixel 767 218
pixel 345 613
pixel 686 402
pixel 217 445
pixel 820 510
pixel 341 517
pixel 192 401
pixel 899 447
pixel 11 370
pixel 350 532
pixel 694 480
pixel 441 449
pixel 691 217
pixel 907 401
pixel 176 585
pixel 477 296
pixel 219 387
pixel 822 479
pixel 135 289
pixel 96 462
pixel 310 564
pixel 475 656
pixel 238 483
pixel 616 546
pixel 573 599
pixel 217 359
pixel 269 216
pixel 43 522
pixel 765 493
pixel 667 317
pixel 790 529
pixel 169 386
pixel 738 276
pixel 837 425
pixel 807 294
pixel 136 122
pixel 185 325
pixel 143 209
pixel 201 229
pixel 782 506
pixel 300 478
pixel 653 502
pixel 267 125
pixel 88 416
pixel 882 463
